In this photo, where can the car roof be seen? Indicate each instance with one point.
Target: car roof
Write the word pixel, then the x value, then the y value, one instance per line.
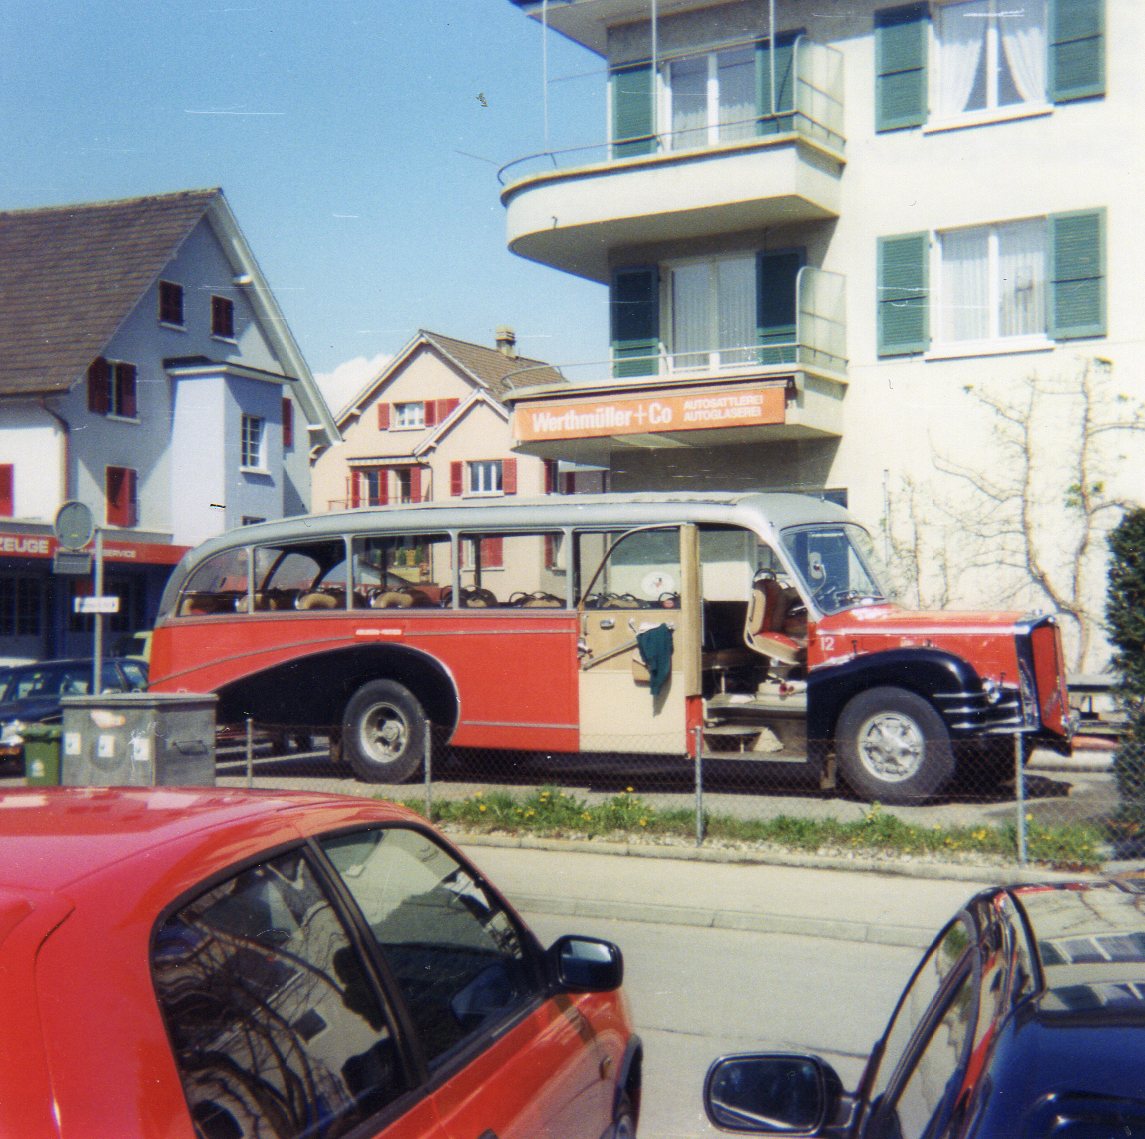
pixel 1090 941
pixel 55 837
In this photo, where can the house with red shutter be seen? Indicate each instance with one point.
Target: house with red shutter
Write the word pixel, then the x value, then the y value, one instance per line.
pixel 147 372
pixel 432 426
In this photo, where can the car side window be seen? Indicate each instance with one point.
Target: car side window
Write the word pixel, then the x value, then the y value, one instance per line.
pixel 914 1015
pixel 276 1027
pixel 457 957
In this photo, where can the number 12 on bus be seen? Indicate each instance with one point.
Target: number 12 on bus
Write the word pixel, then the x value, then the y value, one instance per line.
pixel 752 627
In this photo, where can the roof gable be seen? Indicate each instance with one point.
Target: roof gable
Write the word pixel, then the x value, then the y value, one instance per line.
pixel 70 275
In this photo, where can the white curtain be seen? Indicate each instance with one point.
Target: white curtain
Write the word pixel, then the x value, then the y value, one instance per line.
pixel 736 75
pixel 735 297
pixel 1023 31
pixel 691 339
pixel 965 284
pixel 961 30
pixel 1021 278
pixel 688 87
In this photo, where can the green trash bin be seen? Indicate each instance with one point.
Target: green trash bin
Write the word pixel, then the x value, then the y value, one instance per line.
pixel 42 754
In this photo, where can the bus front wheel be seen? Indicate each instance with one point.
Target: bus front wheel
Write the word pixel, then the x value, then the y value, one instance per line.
pixel 383 732
pixel 893 746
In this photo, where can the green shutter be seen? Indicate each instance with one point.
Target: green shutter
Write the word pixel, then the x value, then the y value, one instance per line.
pixel 904 298
pixel 1077 49
pixel 635 321
pixel 1077 267
pixel 633 117
pixel 900 67
pixel 784 84
pixel 776 275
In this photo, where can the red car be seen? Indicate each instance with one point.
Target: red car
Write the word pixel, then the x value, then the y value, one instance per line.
pixel 230 964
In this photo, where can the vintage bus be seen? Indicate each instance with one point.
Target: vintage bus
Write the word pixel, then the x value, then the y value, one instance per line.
pixel 750 626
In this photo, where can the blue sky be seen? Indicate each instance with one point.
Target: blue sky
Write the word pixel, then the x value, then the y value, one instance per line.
pixel 357 141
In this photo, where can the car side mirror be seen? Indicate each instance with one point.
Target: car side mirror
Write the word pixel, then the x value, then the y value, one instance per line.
pixel 772 1094
pixel 586 964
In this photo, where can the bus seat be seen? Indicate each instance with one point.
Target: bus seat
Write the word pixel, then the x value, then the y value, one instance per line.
pixel 766 620
pixel 317 599
pixel 392 599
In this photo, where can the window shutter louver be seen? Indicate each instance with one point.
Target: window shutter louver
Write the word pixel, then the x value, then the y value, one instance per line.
pixel 492 552
pixel 509 476
pixel 900 67
pixel 383 416
pixel 1077 267
pixel 446 407
pixel 353 489
pixel 1076 49
pixel 429 412
pixel 7 490
pixel 99 387
pixel 768 123
pixel 120 493
pixel 131 488
pixel 415 484
pixel 287 422
pixel 635 313
pixel 633 112
pixel 903 294
pixel 383 496
pixel 777 276
pixel 456 477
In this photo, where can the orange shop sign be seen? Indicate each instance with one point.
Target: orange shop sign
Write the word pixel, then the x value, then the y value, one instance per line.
pixel 734 407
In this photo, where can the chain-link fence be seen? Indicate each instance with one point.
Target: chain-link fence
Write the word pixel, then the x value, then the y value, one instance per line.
pixel 1003 800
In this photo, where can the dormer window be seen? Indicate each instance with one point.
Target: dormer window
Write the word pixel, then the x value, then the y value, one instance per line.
pixel 223 317
pixel 171 304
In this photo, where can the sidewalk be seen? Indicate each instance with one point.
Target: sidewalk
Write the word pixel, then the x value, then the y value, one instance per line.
pixel 869 902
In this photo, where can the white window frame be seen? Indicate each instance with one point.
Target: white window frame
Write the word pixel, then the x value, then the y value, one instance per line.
pixel 409 416
pixel 993 111
pixel 994 341
pixel 252 456
pixel 485 477
pixel 717 360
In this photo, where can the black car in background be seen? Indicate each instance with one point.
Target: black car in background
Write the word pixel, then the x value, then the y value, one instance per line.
pixel 31 693
pixel 1025 1019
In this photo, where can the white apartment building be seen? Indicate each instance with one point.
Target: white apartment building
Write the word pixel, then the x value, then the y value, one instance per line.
pixel 881 252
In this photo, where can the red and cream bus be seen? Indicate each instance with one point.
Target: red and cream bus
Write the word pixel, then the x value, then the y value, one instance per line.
pixel 748 626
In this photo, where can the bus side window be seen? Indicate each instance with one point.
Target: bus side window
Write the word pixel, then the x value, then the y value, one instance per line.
pixel 219 585
pixel 401 571
pixel 307 576
pixel 513 570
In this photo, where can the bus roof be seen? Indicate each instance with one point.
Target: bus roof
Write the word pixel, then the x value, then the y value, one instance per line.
pixel 764 512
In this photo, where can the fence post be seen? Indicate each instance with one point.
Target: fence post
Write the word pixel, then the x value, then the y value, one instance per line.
pixel 1020 793
pixel 249 753
pixel 428 765
pixel 699 786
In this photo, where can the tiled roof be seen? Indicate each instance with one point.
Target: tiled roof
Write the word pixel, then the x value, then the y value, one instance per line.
pixel 498 372
pixel 70 275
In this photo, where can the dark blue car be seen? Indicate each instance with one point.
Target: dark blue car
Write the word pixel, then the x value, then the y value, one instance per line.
pixel 31 693
pixel 1026 1019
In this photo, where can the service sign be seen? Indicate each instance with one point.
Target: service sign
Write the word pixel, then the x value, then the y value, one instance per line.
pixel 728 407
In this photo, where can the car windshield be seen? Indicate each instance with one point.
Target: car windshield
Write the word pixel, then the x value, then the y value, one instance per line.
pixel 837 564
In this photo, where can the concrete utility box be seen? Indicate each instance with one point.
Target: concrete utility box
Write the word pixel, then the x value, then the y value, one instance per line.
pixel 138 739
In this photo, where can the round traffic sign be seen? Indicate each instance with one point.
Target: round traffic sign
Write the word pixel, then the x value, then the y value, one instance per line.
pixel 74 525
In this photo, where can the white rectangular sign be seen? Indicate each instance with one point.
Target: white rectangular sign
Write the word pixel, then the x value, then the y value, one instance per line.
pixel 108 604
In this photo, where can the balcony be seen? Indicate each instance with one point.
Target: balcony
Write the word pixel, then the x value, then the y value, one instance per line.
pixel 779 391
pixel 569 208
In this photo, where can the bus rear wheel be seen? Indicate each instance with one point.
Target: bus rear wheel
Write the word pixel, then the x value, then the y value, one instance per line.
pixel 383 732
pixel 893 747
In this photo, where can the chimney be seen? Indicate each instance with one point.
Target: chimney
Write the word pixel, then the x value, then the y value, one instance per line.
pixel 507 341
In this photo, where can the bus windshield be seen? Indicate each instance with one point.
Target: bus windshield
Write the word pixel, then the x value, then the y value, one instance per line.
pixel 837 564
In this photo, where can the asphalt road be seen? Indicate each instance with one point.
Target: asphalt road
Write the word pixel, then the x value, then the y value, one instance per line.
pixel 699 993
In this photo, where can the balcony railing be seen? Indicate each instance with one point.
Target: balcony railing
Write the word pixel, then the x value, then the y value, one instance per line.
pixel 819 342
pixel 816 114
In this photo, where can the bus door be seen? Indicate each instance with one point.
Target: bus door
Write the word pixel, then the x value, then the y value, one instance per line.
pixel 639 646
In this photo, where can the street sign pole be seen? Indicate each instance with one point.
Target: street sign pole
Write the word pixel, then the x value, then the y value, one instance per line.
pixel 97 654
